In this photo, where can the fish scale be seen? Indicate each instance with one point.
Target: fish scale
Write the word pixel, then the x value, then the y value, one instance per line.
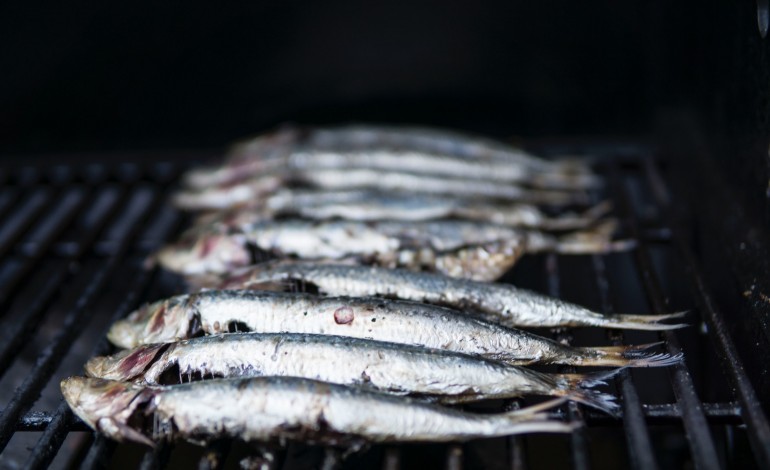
pixel 501 303
pixel 405 322
pixel 283 408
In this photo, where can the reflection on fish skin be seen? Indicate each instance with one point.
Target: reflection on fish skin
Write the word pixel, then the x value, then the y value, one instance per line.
pixel 213 312
pixel 267 408
pixel 501 303
pixel 391 367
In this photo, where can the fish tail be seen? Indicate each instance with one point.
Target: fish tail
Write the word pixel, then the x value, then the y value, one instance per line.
pixel 598 210
pixel 623 356
pixel 539 424
pixel 202 281
pixel 531 419
pixel 566 180
pixel 573 221
pixel 575 387
pixel 555 197
pixel 596 240
pixel 643 322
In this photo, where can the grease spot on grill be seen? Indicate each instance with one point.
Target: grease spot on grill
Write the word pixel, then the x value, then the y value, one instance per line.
pixel 343 315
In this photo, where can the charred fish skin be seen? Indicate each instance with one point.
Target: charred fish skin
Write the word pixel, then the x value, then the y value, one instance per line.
pixel 243 192
pixel 454 247
pixel 389 367
pixel 215 312
pixel 281 408
pixel 501 303
pixel 252 156
pixel 365 205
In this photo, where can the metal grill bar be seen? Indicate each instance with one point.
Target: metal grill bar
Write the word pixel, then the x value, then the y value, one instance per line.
pixel 717 413
pixel 98 453
pixel 25 324
pixel 52 439
pixel 637 435
pixel 58 427
pixel 52 355
pixel 517 449
pixel 635 417
pixel 703 453
pixel 578 446
pixel 750 409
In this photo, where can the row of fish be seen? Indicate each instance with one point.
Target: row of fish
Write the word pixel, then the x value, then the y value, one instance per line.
pixel 378 312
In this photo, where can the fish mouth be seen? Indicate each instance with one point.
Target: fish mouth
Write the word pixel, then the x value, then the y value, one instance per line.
pixel 109 407
pixel 125 333
pixel 210 253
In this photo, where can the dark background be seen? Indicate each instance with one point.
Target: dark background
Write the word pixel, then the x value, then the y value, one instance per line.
pixel 155 75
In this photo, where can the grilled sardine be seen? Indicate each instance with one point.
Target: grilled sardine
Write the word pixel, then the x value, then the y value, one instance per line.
pixel 375 205
pixel 214 312
pixel 500 303
pixel 442 152
pixel 390 367
pixel 268 408
pixel 455 248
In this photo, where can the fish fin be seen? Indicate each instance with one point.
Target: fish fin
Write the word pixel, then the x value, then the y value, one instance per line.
pixel 536 409
pixel 595 379
pixel 555 197
pixel 570 181
pixel 644 322
pixel 624 356
pixel 150 262
pixel 571 221
pixel 596 240
pixel 120 431
pixel 531 419
pixel 202 281
pixel 575 388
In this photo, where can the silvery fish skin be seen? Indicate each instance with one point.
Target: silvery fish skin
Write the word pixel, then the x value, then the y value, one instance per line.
pixel 214 312
pixel 243 192
pixel 273 149
pixel 390 367
pixel 262 409
pixel 438 165
pixel 357 205
pixel 456 248
pixel 500 303
pixel 363 205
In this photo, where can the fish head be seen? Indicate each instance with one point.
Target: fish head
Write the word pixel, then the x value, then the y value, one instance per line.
pixel 108 406
pixel 209 252
pixel 159 322
pixel 125 365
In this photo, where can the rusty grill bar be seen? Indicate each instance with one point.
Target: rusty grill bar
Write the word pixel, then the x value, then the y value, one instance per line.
pixel 73 238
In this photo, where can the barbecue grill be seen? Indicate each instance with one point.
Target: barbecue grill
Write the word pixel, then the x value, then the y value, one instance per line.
pixel 692 188
pixel 75 236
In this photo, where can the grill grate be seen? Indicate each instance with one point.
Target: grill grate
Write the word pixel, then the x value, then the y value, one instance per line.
pixel 73 239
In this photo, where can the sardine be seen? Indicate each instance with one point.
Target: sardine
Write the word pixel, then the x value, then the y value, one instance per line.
pixel 268 408
pixel 383 147
pixel 243 192
pixel 214 312
pixel 501 303
pixel 362 205
pixel 390 367
pixel 456 248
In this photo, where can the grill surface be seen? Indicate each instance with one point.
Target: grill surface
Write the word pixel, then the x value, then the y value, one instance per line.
pixel 73 238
